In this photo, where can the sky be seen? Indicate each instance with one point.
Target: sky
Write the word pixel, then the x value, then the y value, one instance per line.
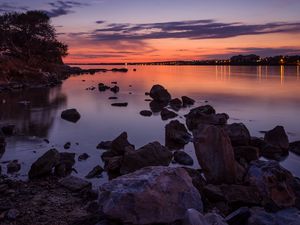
pixel 104 31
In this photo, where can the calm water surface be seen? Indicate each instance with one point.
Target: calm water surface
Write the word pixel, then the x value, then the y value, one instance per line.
pixel 261 97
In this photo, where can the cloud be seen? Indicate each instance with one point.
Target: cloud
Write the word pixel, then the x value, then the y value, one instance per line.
pixel 10 7
pixel 60 8
pixel 193 29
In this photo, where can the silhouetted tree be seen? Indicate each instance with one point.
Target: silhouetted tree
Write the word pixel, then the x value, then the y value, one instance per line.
pixel 30 37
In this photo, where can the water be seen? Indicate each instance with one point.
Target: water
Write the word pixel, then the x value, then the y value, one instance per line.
pixel 260 97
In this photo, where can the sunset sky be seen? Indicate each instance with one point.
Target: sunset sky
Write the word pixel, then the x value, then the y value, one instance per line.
pixel 160 30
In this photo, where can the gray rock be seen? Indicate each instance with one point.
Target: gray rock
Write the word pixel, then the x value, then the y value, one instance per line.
pixel 151 195
pixel 160 94
pixel 183 158
pixel 75 184
pixel 176 135
pixel 71 115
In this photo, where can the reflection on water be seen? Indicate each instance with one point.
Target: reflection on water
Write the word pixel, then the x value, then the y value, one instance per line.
pixel 261 97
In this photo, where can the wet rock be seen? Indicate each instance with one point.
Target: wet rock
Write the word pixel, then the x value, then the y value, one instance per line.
pixel 13 166
pixel 12 214
pixel 8 129
pixel 259 216
pixel 239 216
pixel 247 153
pixel 95 172
pixel 132 198
pixel 44 165
pixel 121 145
pixel 183 158
pixel 146 113
pixel 167 114
pixel 75 184
pixel 66 163
pixel 83 157
pixel 294 147
pixel 194 217
pixel 160 94
pixel 120 104
pixel 186 101
pixel 277 137
pixel 176 104
pixel 115 89
pixel 152 154
pixel 156 106
pixel 176 135
pixel 71 115
pixel 239 134
pixel 102 87
pixel 273 181
pixel 67 145
pixel 106 145
pixel 205 115
pixel 215 154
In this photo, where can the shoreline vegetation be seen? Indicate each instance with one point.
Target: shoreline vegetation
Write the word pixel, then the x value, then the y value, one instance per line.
pixel 234 186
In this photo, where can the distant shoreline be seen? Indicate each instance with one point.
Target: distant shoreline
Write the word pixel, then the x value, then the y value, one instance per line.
pixel 161 64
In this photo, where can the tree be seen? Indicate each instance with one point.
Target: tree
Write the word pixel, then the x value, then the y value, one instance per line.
pixel 30 37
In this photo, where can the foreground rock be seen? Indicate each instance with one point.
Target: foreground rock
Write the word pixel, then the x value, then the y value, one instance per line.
pixel 273 182
pixel 215 154
pixel 176 135
pixel 45 164
pixel 152 154
pixel 71 115
pixel 132 198
pixel 193 217
pixel 160 94
pixel 183 158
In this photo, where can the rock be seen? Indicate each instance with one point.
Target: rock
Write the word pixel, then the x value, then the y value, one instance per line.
pixel 120 145
pixel 176 135
pixel 12 214
pixel 156 106
pixel 112 98
pixel 115 89
pixel 247 153
pixel 8 129
pixel 95 172
pixel 106 145
pixel 268 151
pixel 122 70
pixel 277 137
pixel 239 216
pixel 259 216
pixel 71 115
pixel 152 154
pixel 66 163
pixel 167 114
pixel 102 87
pixel 67 145
pixel 75 184
pixel 83 157
pixel 131 198
pixel 113 165
pixel 215 154
pixel 176 104
pixel 183 158
pixel 273 182
pixel 239 134
pixel 160 94
pixel 44 165
pixel 294 147
pixel 204 115
pixel 186 101
pixel 121 104
pixel 13 166
pixel 146 113
pixel 194 217
pixel 198 180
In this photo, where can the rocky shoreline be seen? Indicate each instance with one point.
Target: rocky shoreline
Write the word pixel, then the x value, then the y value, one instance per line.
pixel 240 181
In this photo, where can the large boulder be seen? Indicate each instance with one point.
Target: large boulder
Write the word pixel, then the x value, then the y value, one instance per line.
pixel 273 182
pixel 160 94
pixel 176 135
pixel 71 115
pixel 204 115
pixel 152 195
pixel 215 154
pixel 45 164
pixel 239 134
pixel 152 154
pixel 278 138
pixel 193 217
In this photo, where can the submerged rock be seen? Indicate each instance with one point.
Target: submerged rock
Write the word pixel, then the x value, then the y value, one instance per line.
pixel 146 113
pixel 44 165
pixel 167 114
pixel 71 115
pixel 152 154
pixel 176 135
pixel 186 101
pixel 183 158
pixel 215 154
pixel 160 94
pixel 132 198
